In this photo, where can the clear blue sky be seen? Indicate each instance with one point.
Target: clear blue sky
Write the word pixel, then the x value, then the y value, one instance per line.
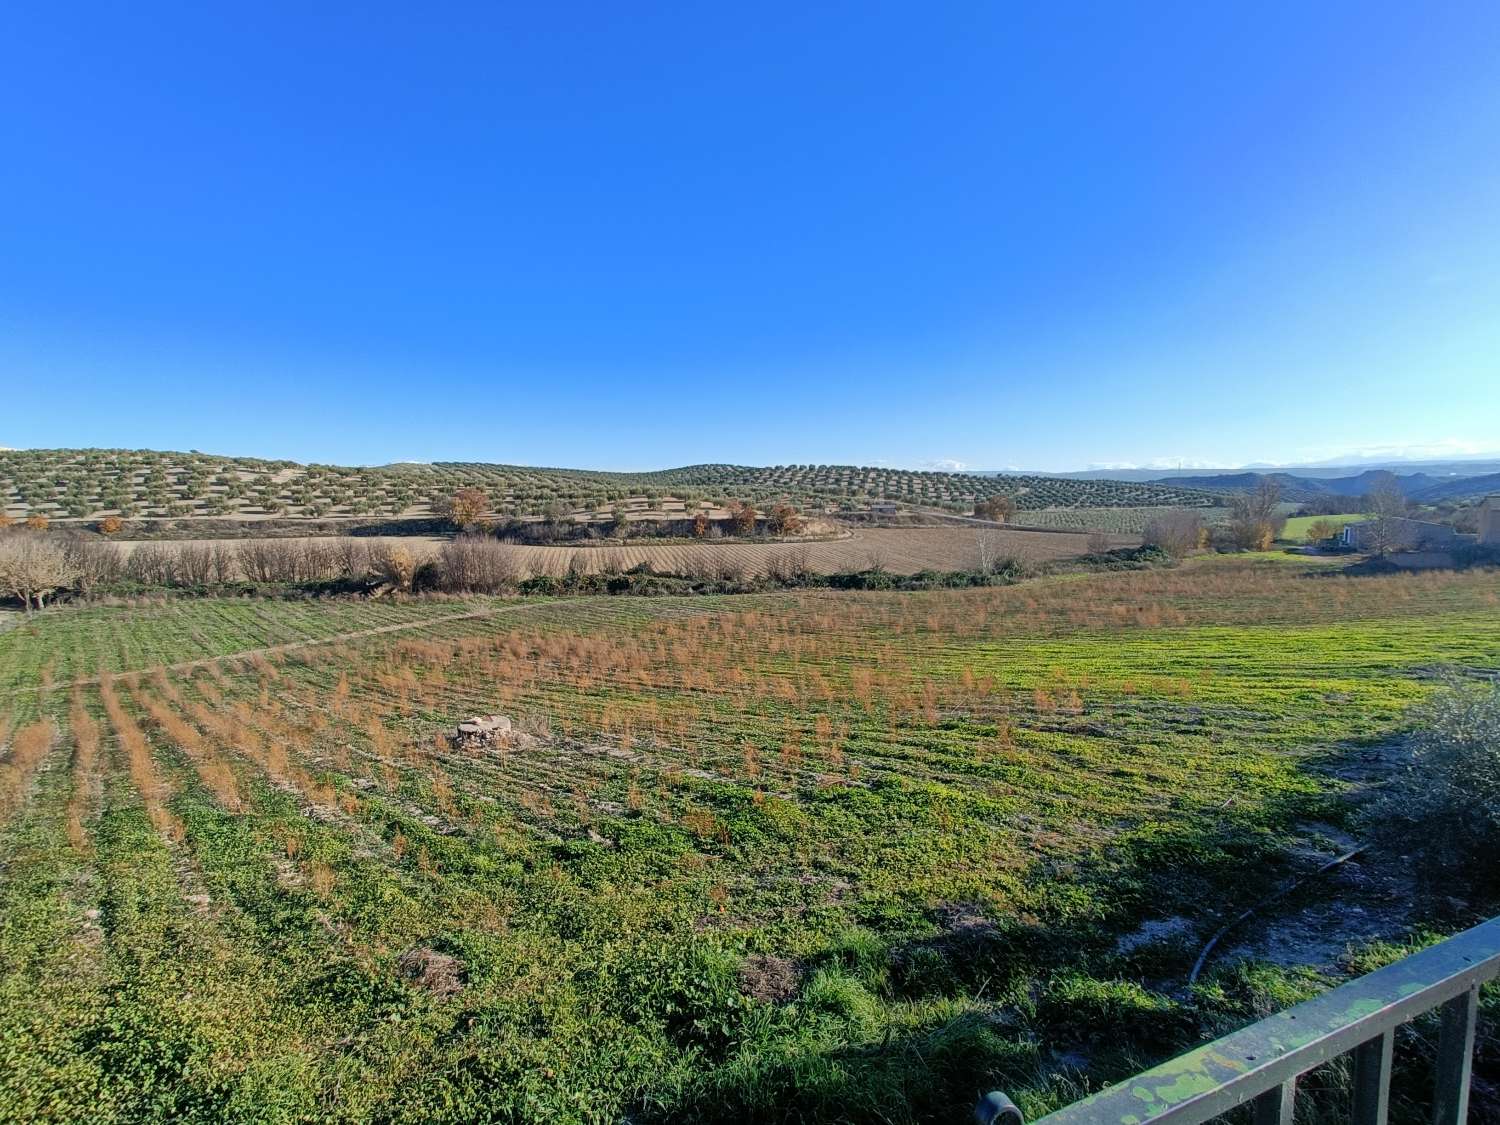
pixel 638 235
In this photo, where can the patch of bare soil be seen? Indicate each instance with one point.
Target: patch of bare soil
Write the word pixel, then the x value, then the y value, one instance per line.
pixel 434 972
pixel 770 979
pixel 966 935
pixel 1367 899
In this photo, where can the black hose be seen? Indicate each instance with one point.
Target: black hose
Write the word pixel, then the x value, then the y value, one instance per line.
pixel 1282 893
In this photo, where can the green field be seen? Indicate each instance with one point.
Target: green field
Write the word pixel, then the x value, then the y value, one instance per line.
pixel 147 632
pixel 793 856
pixel 1297 526
pixel 1117 521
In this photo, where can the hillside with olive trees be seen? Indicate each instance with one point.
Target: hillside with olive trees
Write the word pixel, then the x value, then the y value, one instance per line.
pixel 80 484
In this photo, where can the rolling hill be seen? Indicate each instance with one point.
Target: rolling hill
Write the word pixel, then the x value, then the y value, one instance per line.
pixel 92 483
pixel 1421 487
pixel 1465 489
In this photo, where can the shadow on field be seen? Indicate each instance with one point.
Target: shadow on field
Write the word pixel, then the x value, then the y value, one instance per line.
pixel 1045 1000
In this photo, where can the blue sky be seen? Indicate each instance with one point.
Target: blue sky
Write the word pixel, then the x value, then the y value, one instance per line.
pixel 626 236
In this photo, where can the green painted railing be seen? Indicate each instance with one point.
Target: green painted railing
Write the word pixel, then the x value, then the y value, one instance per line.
pixel 1260 1064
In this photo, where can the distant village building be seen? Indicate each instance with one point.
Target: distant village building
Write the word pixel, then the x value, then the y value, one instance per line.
pixel 1399 533
pixel 1489 522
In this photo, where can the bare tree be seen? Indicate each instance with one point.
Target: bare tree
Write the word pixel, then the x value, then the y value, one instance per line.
pixel 152 564
pixel 1253 519
pixel 224 566
pixel 97 562
pixel 394 564
pixel 1385 497
pixel 353 558
pixel 195 564
pixel 315 561
pixel 1178 532
pixel 474 564
pixel 1385 504
pixel 986 549
pixel 258 560
pixel 999 508
pixel 728 567
pixel 32 568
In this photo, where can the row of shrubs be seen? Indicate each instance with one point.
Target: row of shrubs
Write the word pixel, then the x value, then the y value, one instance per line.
pixel 507 529
pixel 259 562
pixel 554 531
pixel 480 565
pixel 477 564
pixel 644 580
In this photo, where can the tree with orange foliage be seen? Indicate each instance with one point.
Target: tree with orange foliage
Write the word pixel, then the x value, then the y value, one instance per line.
pixel 700 526
pixel 111 525
pixel 784 520
pixel 465 507
pixel 38 522
pixel 743 515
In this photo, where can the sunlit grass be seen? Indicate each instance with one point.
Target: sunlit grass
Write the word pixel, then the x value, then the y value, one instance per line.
pixel 808 855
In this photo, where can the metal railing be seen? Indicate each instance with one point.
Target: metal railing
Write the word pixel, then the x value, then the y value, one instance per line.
pixel 1260 1064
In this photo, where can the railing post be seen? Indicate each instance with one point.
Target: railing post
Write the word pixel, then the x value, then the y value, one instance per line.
pixel 1455 1058
pixel 1276 1105
pixel 1372 1079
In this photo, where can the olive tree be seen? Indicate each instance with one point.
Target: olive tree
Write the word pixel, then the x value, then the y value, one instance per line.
pixel 1443 800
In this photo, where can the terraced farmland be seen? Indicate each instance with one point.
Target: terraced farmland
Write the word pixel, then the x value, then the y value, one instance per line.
pixel 796 856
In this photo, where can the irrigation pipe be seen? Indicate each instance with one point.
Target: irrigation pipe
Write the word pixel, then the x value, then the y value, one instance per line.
pixel 1250 911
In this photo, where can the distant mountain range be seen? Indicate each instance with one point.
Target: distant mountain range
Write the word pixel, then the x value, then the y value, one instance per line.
pixel 1461 489
pixel 1417 487
pixel 1422 482
pixel 1438 469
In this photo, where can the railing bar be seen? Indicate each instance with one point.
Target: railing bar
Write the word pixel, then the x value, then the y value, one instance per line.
pixel 1276 1105
pixel 1238 1068
pixel 1455 1058
pixel 1372 1079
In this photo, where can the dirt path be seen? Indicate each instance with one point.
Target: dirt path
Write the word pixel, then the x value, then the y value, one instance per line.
pixel 337 638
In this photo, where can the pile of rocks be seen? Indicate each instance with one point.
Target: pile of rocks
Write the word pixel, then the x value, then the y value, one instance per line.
pixel 483 731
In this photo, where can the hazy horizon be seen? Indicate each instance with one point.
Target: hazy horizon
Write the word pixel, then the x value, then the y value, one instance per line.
pixel 1354 462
